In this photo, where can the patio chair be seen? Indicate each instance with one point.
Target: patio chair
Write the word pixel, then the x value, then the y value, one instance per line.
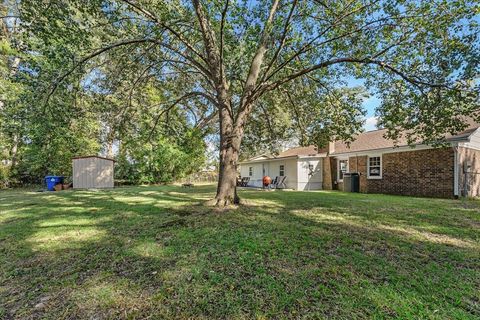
pixel 274 183
pixel 279 182
pixel 245 181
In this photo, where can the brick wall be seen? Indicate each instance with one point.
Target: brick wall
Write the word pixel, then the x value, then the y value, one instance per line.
pixel 359 164
pixel 427 173
pixel 473 175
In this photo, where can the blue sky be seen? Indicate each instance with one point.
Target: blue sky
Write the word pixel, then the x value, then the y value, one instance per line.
pixel 369 104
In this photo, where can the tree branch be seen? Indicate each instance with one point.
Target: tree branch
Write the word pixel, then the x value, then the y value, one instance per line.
pixel 155 19
pixel 177 101
pixel 254 71
pixel 214 61
pixel 382 64
pixel 211 47
pixel 309 45
pixel 207 120
pixel 194 62
pixel 222 26
pixel 90 56
pixel 282 39
pixel 116 45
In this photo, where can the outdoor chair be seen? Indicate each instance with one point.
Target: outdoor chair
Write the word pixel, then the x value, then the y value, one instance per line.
pixel 274 183
pixel 279 182
pixel 245 181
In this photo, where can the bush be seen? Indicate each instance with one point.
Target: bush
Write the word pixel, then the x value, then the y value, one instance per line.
pixel 163 161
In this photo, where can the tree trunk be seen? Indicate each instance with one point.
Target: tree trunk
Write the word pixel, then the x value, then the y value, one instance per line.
pixel 109 150
pixel 109 142
pixel 230 139
pixel 14 151
pixel 227 178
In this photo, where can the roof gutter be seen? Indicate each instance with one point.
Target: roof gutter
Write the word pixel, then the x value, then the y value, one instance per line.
pixel 456 172
pixel 418 146
pixel 269 159
pixel 319 155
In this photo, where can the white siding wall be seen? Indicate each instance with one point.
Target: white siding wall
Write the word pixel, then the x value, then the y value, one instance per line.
pixel 243 168
pixel 271 169
pixel 104 174
pixel 291 173
pixel 92 173
pixel 256 178
pixel 305 181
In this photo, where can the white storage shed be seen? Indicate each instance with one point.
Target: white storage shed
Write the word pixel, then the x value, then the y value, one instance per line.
pixel 92 172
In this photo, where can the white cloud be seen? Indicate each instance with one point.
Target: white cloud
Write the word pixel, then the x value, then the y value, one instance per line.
pixel 370 123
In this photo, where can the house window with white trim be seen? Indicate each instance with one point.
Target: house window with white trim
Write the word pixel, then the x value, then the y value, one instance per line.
pixel 374 169
pixel 250 171
pixel 342 169
pixel 282 170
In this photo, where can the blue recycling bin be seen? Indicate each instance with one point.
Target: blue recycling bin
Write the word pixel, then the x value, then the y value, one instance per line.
pixel 52 181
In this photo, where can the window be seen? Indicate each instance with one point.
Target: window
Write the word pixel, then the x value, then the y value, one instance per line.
pixel 375 167
pixel 342 168
pixel 250 171
pixel 282 170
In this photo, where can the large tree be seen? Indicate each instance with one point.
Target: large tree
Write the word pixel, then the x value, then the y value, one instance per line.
pixel 232 59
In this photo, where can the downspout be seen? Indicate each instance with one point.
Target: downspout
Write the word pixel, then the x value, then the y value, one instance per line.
pixel 263 175
pixel 455 173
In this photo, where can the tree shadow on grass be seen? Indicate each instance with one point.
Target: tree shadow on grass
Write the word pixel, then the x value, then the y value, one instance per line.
pixel 158 253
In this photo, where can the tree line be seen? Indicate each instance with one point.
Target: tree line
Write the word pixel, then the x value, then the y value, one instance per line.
pixel 87 115
pixel 149 73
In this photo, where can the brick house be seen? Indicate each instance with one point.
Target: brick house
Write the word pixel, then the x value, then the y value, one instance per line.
pixel 383 166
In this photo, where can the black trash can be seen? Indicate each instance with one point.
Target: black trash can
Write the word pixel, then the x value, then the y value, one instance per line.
pixel 355 182
pixel 351 182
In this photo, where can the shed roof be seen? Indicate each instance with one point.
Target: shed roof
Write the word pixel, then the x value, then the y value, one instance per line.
pixel 85 157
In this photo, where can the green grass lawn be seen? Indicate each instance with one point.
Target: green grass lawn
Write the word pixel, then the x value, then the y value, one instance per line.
pixel 156 252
